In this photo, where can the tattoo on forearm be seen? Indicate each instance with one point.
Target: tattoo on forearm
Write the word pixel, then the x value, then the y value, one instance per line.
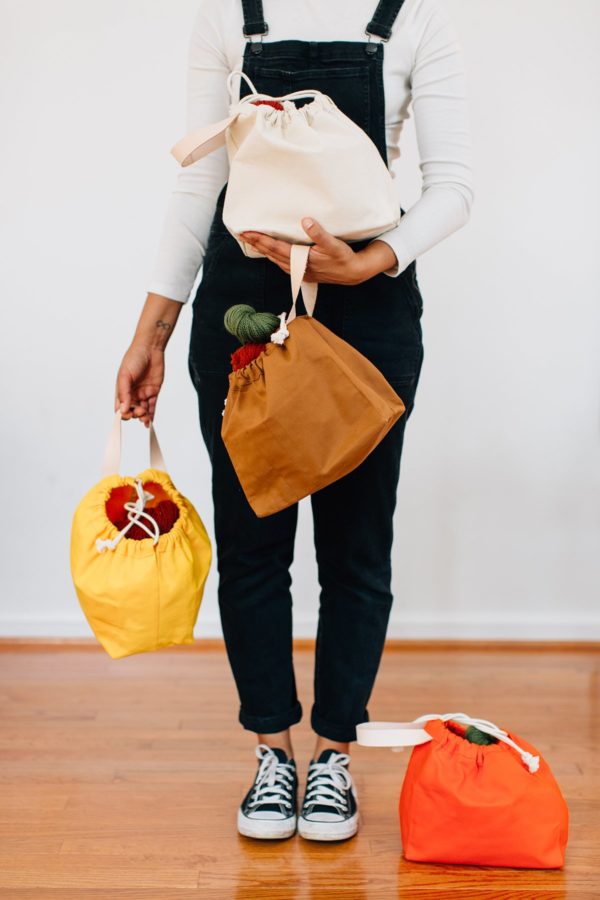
pixel 166 326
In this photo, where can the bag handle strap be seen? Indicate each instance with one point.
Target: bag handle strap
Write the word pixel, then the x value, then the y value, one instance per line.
pixel 201 141
pixel 408 734
pixel 298 261
pixel 112 454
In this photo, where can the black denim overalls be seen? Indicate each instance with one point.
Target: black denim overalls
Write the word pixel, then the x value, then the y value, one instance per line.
pixel 352 517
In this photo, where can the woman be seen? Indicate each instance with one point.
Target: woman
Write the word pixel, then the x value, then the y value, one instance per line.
pixel 368 293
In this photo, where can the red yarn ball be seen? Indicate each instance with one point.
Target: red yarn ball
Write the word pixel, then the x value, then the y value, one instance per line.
pixel 115 504
pixel 165 514
pixel 245 354
pixel 274 103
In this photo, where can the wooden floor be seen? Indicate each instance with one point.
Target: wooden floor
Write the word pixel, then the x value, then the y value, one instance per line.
pixel 121 778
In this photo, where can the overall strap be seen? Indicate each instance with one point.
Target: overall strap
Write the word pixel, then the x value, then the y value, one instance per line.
pixel 383 18
pixel 254 23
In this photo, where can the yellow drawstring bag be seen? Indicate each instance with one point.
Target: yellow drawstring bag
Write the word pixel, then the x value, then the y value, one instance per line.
pixel 138 594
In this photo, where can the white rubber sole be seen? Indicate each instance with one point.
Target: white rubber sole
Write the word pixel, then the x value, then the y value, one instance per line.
pixel 328 831
pixel 265 829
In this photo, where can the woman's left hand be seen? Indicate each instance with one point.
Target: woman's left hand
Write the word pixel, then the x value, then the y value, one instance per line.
pixel 330 260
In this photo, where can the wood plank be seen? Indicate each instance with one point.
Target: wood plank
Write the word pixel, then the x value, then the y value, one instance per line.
pixel 202 644
pixel 122 778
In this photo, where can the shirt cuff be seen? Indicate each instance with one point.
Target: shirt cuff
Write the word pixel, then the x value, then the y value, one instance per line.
pixel 403 255
pixel 170 291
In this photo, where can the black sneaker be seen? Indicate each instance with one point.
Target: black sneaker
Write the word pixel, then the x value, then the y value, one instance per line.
pixel 269 808
pixel 330 808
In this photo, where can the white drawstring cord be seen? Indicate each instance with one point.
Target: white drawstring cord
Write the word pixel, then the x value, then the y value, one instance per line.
pixel 134 513
pixel 243 75
pixel 279 336
pixel 532 762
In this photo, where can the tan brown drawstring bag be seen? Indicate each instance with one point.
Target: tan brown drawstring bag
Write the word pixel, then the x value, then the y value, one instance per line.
pixel 306 411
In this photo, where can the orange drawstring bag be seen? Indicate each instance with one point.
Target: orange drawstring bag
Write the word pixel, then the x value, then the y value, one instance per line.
pixel 495 804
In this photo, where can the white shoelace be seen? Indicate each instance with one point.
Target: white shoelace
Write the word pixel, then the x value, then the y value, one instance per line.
pixel 325 778
pixel 274 779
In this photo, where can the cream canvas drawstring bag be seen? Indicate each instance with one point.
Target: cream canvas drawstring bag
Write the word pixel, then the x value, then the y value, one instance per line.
pixel 288 162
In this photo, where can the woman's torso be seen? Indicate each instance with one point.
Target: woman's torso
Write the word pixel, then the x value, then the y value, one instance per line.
pixel 380 317
pixel 334 20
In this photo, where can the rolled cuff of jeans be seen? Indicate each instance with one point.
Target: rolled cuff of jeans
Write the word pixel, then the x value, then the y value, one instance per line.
pixel 335 731
pixel 271 724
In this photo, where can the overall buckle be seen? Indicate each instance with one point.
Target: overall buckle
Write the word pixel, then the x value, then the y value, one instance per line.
pixel 256 45
pixel 371 46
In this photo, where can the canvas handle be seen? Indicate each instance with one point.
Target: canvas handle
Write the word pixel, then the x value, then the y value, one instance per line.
pixel 201 141
pixel 408 734
pixel 112 454
pixel 298 260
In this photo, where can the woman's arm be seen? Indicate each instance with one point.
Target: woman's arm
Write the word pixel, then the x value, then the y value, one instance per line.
pixel 182 243
pixel 439 103
pixel 156 323
pixel 185 230
pixel 330 260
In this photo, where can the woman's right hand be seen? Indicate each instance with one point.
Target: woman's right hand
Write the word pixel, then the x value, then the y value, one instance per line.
pixel 139 380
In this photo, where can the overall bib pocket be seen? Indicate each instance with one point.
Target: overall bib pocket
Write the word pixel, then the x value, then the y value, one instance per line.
pixel 355 103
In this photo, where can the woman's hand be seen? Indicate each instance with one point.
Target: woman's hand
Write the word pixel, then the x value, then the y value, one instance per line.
pixel 139 380
pixel 142 370
pixel 330 260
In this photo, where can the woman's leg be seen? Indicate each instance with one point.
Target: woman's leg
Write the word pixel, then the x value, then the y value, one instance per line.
pixel 282 739
pixel 253 559
pixel 353 532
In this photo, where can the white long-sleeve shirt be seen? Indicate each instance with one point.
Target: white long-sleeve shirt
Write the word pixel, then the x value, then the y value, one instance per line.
pixel 423 64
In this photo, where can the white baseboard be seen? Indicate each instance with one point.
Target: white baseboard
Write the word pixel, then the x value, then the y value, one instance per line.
pixel 409 628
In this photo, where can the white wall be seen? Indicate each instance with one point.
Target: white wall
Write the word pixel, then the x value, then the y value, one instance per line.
pixel 497 527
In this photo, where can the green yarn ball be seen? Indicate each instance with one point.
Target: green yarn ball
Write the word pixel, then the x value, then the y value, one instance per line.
pixel 475 736
pixel 249 326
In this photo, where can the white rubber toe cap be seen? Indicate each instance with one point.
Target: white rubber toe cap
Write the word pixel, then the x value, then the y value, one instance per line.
pixel 266 828
pixel 328 831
